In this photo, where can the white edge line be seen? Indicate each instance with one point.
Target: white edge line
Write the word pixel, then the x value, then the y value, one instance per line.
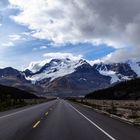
pixel 93 123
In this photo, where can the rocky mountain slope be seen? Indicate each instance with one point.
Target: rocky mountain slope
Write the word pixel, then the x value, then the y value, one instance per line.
pixel 14 78
pixel 84 79
pixel 67 77
pixel 118 71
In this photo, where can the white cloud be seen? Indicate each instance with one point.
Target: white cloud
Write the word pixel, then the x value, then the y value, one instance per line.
pixel 14 37
pixel 115 23
pixel 40 48
pixel 120 56
pixel 8 44
pixel 59 55
pixel 43 47
pixel 36 65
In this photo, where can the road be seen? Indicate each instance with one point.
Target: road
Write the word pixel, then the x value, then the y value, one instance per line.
pixel 63 120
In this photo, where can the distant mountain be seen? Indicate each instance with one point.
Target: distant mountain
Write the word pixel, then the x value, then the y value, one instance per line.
pixel 118 71
pixel 129 90
pixel 67 77
pixel 14 78
pixel 54 69
pixel 9 71
pixel 11 77
pixel 84 79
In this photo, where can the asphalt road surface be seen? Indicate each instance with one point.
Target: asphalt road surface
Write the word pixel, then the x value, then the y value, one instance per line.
pixel 63 120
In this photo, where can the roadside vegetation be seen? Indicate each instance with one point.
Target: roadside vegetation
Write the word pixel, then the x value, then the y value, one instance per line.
pixel 127 90
pixel 11 98
pixel 127 110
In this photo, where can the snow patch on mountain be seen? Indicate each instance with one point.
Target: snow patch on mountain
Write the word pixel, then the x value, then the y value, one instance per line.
pixel 56 68
pixel 36 65
pixel 104 71
pixel 112 74
pixel 135 66
pixel 115 76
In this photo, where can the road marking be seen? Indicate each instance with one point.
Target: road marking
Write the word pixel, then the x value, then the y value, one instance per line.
pixel 23 110
pixel 37 123
pixel 46 113
pixel 93 123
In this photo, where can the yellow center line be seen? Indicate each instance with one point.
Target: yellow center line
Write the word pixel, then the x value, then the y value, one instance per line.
pixel 36 124
pixel 46 113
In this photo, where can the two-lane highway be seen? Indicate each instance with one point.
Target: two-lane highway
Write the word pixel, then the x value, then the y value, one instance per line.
pixel 63 120
pixel 16 124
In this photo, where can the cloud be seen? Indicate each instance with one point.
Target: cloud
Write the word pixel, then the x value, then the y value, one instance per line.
pixel 43 47
pixel 114 23
pixel 39 48
pixel 14 37
pixel 8 44
pixel 120 56
pixel 59 55
pixel 36 65
pixel 19 37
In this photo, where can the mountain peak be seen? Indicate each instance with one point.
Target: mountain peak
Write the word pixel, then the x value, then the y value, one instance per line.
pixel 9 71
pixel 56 68
pixel 81 61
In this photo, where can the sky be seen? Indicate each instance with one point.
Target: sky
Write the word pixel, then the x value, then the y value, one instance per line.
pixel 95 30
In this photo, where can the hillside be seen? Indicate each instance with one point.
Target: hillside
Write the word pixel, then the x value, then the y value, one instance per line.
pixel 124 90
pixel 14 93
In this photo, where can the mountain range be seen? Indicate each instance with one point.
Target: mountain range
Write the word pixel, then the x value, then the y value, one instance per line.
pixel 67 77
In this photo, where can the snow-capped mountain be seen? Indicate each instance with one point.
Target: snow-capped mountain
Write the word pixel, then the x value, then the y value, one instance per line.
pixel 67 77
pixel 135 66
pixel 80 82
pixel 54 69
pixel 118 71
pixel 61 67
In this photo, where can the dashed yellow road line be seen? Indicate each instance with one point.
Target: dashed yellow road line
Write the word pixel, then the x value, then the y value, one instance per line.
pixel 37 123
pixel 46 113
